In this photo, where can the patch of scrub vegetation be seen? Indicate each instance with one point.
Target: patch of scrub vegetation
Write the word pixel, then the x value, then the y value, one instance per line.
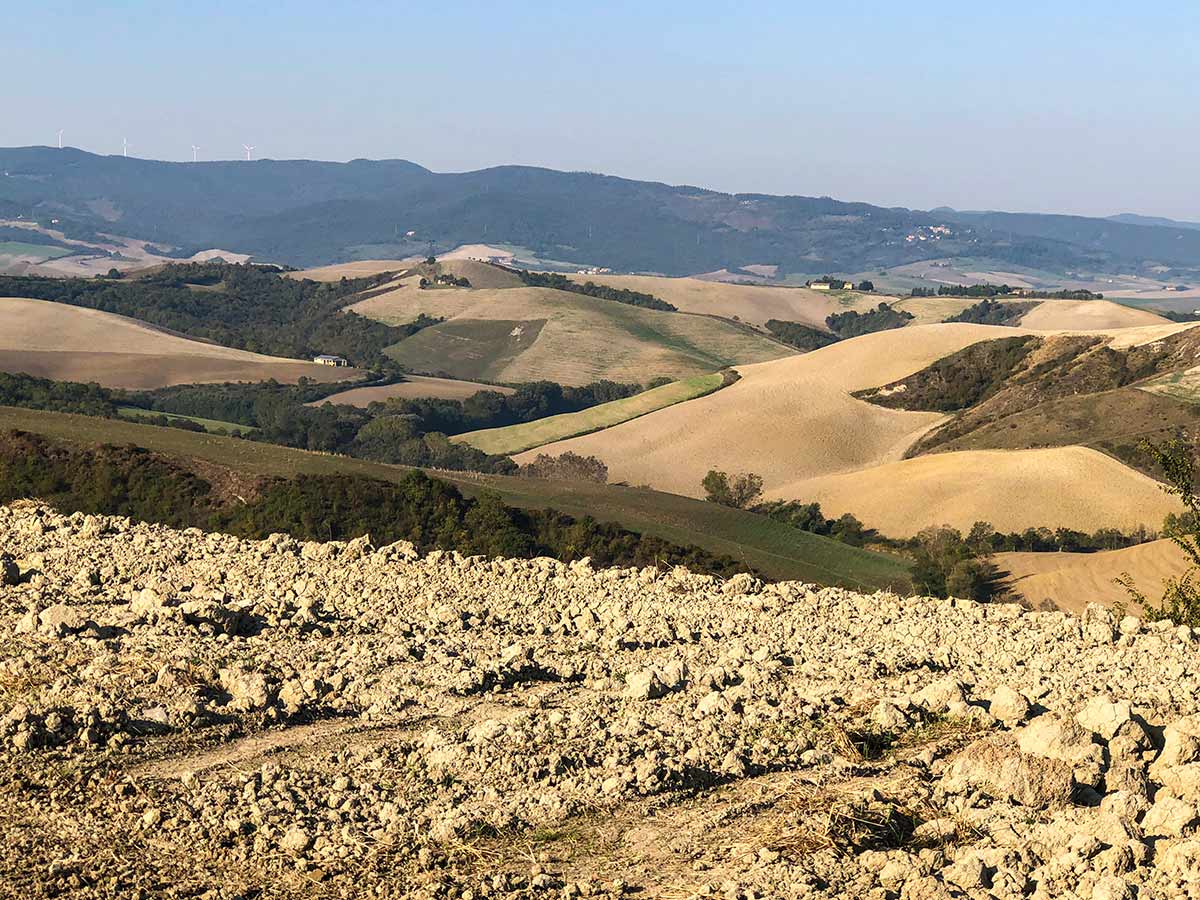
pixel 960 380
pixel 466 348
pixel 526 436
pixel 993 312
pixel 41 251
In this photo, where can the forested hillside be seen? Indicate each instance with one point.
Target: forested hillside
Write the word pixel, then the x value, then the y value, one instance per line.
pixel 303 212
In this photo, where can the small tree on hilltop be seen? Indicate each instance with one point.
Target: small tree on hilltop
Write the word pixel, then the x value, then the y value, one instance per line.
pixel 740 491
pixel 1180 601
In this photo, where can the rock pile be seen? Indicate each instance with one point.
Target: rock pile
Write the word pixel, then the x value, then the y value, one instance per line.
pixel 188 714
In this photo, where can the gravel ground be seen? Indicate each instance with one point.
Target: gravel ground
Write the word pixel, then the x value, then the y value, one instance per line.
pixel 192 715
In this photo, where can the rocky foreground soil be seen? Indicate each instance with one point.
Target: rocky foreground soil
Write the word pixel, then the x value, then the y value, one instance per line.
pixel 192 715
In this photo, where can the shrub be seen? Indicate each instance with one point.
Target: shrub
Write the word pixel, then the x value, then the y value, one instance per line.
pixel 740 491
pixel 1180 600
pixel 566 467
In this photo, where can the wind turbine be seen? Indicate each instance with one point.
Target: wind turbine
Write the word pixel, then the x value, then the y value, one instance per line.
pixel 60 134
pixel 195 150
pixel 249 148
pixel 124 146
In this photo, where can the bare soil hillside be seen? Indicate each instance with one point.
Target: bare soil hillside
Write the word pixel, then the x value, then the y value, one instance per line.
pixel 787 420
pixel 360 268
pixel 72 343
pixel 192 715
pixel 1072 580
pixel 1087 315
pixel 1067 487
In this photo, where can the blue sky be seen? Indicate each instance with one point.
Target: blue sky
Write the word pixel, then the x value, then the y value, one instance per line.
pixel 1086 107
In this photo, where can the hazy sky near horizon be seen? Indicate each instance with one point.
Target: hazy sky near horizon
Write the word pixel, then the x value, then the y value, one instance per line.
pixel 1054 106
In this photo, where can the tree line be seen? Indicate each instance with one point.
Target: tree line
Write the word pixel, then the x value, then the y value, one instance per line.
pixel 134 482
pixel 1002 290
pixel 591 289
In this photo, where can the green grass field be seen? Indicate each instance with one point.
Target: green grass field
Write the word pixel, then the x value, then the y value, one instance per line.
pixel 776 550
pixel 213 425
pixel 526 436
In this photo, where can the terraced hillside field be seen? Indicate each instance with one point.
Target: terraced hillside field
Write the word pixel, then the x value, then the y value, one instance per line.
pixel 528 334
pixel 73 343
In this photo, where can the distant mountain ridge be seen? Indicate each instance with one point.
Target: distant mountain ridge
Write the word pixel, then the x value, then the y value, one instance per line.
pixel 304 212
pixel 1155 221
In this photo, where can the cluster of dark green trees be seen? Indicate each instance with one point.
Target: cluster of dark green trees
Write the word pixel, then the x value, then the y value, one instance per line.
pixel 493 409
pixel 249 307
pixel 881 318
pixel 842 326
pixel 31 392
pixel 992 312
pixel 130 481
pixel 802 337
pixel 1001 290
pixel 591 289
pixel 808 517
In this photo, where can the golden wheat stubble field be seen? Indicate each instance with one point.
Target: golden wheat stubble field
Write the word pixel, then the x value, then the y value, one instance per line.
pixel 71 343
pixel 1072 580
pixel 794 422
pixel 752 304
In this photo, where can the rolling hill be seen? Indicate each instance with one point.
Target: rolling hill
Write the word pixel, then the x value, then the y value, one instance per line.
pixel 308 213
pixel 786 420
pixel 774 549
pixel 1072 580
pixel 795 423
pixel 1058 487
pixel 72 343
pixel 528 334
pixel 752 304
